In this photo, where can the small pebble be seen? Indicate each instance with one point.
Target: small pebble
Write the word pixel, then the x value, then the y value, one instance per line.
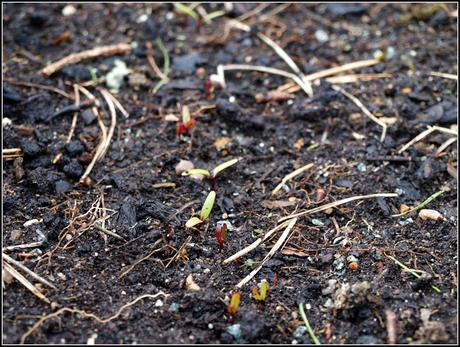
pixel 235 331
pixel 361 167
pixel 69 10
pixel 158 303
pixel 300 331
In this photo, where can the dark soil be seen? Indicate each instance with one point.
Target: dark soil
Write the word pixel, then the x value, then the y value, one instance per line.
pixel 89 268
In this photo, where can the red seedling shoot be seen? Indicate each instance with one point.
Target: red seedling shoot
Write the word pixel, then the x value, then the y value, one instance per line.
pixel 184 128
pixel 221 234
pixel 208 88
pixel 234 304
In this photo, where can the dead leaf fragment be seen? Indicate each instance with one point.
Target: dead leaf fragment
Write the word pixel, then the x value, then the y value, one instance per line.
pixel 427 214
pixel 272 204
pixel 191 285
pixel 298 145
pixel 221 143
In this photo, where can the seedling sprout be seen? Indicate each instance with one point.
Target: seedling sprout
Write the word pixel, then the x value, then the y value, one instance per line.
pixel 221 234
pixel 205 211
pixel 234 304
pixel 214 172
pixel 187 122
pixel 262 294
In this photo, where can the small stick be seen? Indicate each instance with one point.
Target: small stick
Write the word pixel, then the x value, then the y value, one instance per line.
pixel 259 8
pixel 364 110
pixel 392 330
pixel 88 315
pixel 12 151
pixel 291 176
pixel 445 145
pixel 389 158
pixel 103 130
pixel 295 78
pixel 152 62
pixel 346 67
pixel 113 114
pixel 310 330
pixel 444 75
pixel 142 259
pixel 178 251
pixel 38 86
pixel 412 272
pixel 255 243
pixel 108 232
pixel 423 204
pixel 425 133
pixel 121 48
pixel 357 78
pixel 338 203
pixel 118 105
pixel 270 254
pixel 25 282
pixel 29 272
pixel 23 246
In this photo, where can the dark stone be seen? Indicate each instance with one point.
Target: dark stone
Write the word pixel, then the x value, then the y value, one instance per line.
pixel 76 73
pixel 252 324
pixel 38 19
pixel 63 186
pixel 344 9
pixel 41 161
pixel 186 64
pixel 41 180
pixel 430 168
pixel 156 210
pixel 127 214
pixel 31 148
pixel 182 85
pixel 10 95
pixel 440 18
pixel 73 170
pixel 384 206
pixel 409 191
pixel 340 182
pixel 418 97
pixel 74 148
pixel 444 112
pixel 88 116
pixel 368 340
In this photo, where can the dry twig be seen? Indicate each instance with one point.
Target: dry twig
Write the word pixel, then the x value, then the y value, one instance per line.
pixel 291 176
pixel 364 110
pixel 88 315
pixel 425 133
pixel 121 48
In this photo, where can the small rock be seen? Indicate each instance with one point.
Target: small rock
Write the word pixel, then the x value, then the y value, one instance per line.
pixel 88 116
pixel 191 285
pixel 159 303
pixel 361 167
pixel 174 307
pixel 69 10
pixel 114 79
pixel 30 148
pixel 38 19
pixel 183 165
pixel 343 183
pixel 73 170
pixel 63 187
pixel 186 64
pixel 427 214
pixel 74 148
pixel 317 222
pixel 368 340
pixel 300 331
pixel 10 95
pixel 76 73
pixel 344 9
pixel 407 221
pixel 235 331
pixel 321 36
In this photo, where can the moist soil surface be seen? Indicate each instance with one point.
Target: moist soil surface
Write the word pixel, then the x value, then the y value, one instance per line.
pixel 336 262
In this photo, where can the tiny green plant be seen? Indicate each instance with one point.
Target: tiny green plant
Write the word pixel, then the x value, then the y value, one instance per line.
pixel 260 295
pixel 211 175
pixel 205 211
pixel 234 304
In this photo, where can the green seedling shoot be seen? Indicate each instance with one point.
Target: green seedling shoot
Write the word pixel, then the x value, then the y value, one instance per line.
pixel 205 211
pixel 211 175
pixel 262 294
pixel 234 304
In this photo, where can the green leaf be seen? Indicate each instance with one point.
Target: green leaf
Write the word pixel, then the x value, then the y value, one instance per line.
pixel 196 172
pixel 186 9
pixel 223 166
pixel 207 206
pixel 192 222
